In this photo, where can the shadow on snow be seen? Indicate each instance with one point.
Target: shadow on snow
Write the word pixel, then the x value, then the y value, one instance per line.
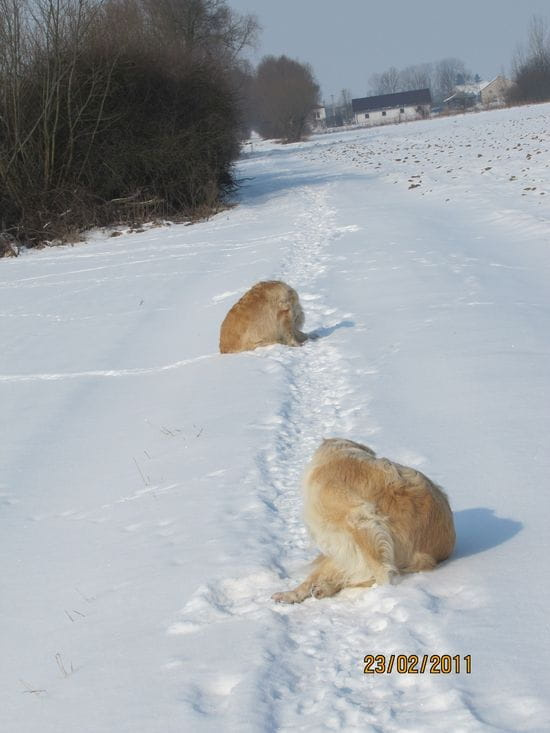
pixel 324 331
pixel 479 529
pixel 257 188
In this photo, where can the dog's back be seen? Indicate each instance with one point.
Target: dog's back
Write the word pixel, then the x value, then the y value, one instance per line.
pixel 347 488
pixel 268 313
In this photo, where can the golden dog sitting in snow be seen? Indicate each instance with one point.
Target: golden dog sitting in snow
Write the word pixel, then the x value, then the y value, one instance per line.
pixel 268 313
pixel 371 519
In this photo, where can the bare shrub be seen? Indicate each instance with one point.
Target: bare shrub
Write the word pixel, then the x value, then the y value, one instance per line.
pixel 101 122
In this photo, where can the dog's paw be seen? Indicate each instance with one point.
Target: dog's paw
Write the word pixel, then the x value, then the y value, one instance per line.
pixel 283 597
pixel 322 591
pixel 289 596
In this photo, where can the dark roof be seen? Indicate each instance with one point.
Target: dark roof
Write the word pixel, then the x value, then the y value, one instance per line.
pixel 399 99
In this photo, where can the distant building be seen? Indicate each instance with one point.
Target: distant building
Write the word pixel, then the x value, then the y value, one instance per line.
pixel 485 93
pixel 494 92
pixel 318 117
pixel 464 96
pixel 387 108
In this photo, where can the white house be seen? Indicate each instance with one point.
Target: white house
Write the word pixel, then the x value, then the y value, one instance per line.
pixel 383 109
pixel 318 117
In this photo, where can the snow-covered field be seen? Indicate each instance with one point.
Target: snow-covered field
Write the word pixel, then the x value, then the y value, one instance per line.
pixel 149 493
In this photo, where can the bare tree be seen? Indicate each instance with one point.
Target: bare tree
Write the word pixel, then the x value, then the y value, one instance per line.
pixel 539 38
pixel 345 106
pixel 531 68
pixel 242 79
pixel 419 76
pixel 41 45
pixel 448 73
pixel 340 112
pixel 387 82
pixel 204 28
pixel 285 94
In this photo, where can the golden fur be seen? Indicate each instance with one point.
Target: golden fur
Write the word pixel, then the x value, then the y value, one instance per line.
pixel 371 518
pixel 268 313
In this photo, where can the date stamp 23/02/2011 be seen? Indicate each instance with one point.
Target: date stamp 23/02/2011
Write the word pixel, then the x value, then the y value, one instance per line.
pixel 414 664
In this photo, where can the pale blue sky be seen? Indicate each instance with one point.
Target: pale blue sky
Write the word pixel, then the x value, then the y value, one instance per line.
pixel 346 41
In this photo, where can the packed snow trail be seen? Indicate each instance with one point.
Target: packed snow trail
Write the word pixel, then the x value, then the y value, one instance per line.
pixel 151 500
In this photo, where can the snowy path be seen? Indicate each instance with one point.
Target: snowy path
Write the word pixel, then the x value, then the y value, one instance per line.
pixel 150 496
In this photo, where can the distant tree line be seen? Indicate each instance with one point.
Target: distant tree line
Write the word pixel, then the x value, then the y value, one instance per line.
pixel 116 110
pixel 440 77
pixel 530 72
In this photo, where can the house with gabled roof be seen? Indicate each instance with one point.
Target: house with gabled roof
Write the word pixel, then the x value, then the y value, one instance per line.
pixel 495 92
pixel 383 109
pixel 483 93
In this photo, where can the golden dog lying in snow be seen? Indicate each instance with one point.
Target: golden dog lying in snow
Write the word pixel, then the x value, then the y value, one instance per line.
pixel 268 313
pixel 371 519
